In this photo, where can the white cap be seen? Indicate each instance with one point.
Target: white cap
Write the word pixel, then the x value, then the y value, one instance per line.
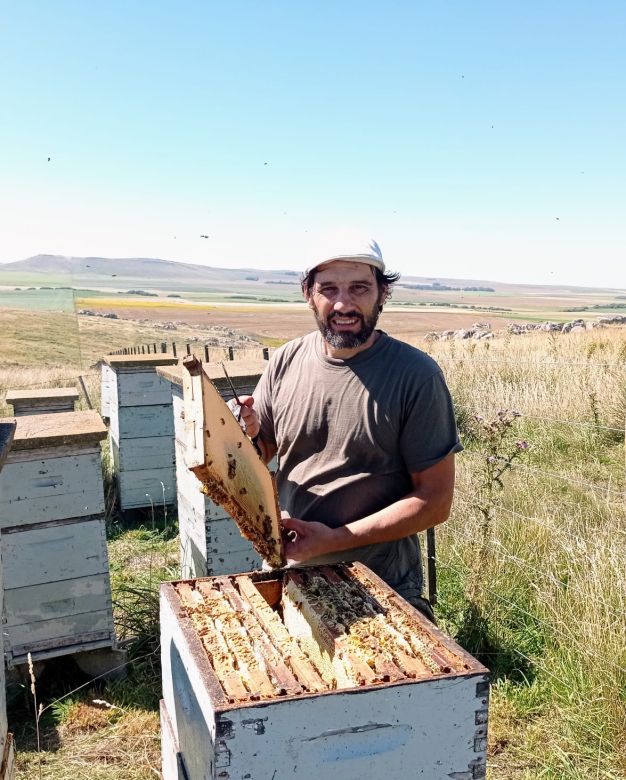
pixel 359 251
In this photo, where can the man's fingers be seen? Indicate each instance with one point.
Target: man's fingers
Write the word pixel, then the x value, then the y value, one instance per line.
pixel 293 524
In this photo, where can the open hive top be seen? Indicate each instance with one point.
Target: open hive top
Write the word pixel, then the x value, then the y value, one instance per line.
pixel 225 461
pixel 311 631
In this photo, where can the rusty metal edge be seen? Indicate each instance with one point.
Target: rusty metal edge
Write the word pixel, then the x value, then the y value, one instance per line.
pixel 363 574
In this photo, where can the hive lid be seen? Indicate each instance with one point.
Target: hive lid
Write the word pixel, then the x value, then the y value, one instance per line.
pixel 229 467
pixel 127 361
pixel 240 371
pixel 49 393
pixel 58 429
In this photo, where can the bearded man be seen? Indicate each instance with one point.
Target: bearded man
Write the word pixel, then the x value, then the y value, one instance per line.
pixel 363 427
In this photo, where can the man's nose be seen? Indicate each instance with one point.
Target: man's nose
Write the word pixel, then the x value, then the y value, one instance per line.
pixel 343 299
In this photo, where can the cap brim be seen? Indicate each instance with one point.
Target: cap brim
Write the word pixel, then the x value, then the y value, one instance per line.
pixel 375 262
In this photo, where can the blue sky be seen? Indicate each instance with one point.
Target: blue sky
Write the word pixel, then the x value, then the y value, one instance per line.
pixel 481 140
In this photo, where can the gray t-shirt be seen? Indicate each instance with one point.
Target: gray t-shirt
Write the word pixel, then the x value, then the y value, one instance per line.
pixel 349 433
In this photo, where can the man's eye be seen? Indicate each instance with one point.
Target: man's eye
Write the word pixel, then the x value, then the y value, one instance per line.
pixel 359 289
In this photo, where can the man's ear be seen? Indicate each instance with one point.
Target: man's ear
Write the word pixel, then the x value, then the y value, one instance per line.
pixel 382 296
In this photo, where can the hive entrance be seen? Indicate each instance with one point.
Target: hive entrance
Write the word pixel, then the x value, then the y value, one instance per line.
pixel 308 631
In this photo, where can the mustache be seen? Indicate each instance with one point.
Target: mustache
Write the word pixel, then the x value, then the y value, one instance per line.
pixel 350 314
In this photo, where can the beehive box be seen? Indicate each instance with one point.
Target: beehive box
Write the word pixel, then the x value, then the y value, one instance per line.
pixel 138 404
pixel 210 542
pixel 57 596
pixel 308 673
pixel 48 401
pixel 7 431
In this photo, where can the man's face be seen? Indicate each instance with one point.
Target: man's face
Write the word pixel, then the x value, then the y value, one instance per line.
pixel 345 300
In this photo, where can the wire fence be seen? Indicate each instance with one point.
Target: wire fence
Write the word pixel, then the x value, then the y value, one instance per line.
pixel 516 466
pixel 189 348
pixel 553 420
pixel 617 364
pixel 549 626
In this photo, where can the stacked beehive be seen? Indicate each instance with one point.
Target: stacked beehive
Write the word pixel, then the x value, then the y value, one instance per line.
pixel 210 542
pixel 7 431
pixel 57 596
pixel 309 672
pixel 48 401
pixel 141 427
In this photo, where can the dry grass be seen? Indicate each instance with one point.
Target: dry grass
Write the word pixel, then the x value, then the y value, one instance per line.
pixel 533 570
pixel 93 745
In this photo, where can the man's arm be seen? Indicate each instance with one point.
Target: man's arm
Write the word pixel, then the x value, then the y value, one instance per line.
pixel 427 505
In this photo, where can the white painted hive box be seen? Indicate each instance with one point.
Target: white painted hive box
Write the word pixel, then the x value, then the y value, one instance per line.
pixel 57 596
pixel 139 408
pixel 313 673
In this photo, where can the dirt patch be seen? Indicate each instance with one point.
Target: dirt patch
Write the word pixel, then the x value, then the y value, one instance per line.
pixel 287 322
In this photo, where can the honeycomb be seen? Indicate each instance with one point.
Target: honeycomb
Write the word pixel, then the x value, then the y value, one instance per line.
pixel 310 630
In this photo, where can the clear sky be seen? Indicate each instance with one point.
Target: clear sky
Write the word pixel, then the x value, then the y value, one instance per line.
pixel 482 140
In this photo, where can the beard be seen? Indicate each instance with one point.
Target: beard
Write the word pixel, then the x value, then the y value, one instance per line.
pixel 344 339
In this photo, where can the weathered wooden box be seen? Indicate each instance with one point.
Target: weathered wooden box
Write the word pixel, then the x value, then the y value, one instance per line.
pixel 312 673
pixel 7 431
pixel 57 596
pixel 138 404
pixel 210 542
pixel 48 401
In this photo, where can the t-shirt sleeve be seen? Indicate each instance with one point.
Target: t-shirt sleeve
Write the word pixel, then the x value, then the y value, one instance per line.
pixel 263 406
pixel 429 433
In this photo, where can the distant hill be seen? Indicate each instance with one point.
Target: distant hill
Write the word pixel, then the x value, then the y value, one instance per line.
pixel 148 268
pixel 160 274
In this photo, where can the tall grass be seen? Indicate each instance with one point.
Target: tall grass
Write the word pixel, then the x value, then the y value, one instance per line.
pixel 546 607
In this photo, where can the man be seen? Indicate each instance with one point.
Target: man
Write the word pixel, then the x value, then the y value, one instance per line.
pixel 363 427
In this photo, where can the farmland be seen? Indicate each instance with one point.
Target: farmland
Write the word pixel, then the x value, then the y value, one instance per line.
pixel 530 564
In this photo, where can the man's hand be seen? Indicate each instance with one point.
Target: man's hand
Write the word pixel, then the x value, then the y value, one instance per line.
pixel 305 540
pixel 249 417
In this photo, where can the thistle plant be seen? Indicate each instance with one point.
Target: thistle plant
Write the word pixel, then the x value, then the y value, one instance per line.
pixel 499 449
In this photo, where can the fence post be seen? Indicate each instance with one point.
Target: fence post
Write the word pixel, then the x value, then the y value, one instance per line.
pixel 86 394
pixel 154 345
pixel 174 348
pixel 231 353
pixel 188 349
pixel 431 558
pixel 206 354
pixel 164 346
pixel 266 353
